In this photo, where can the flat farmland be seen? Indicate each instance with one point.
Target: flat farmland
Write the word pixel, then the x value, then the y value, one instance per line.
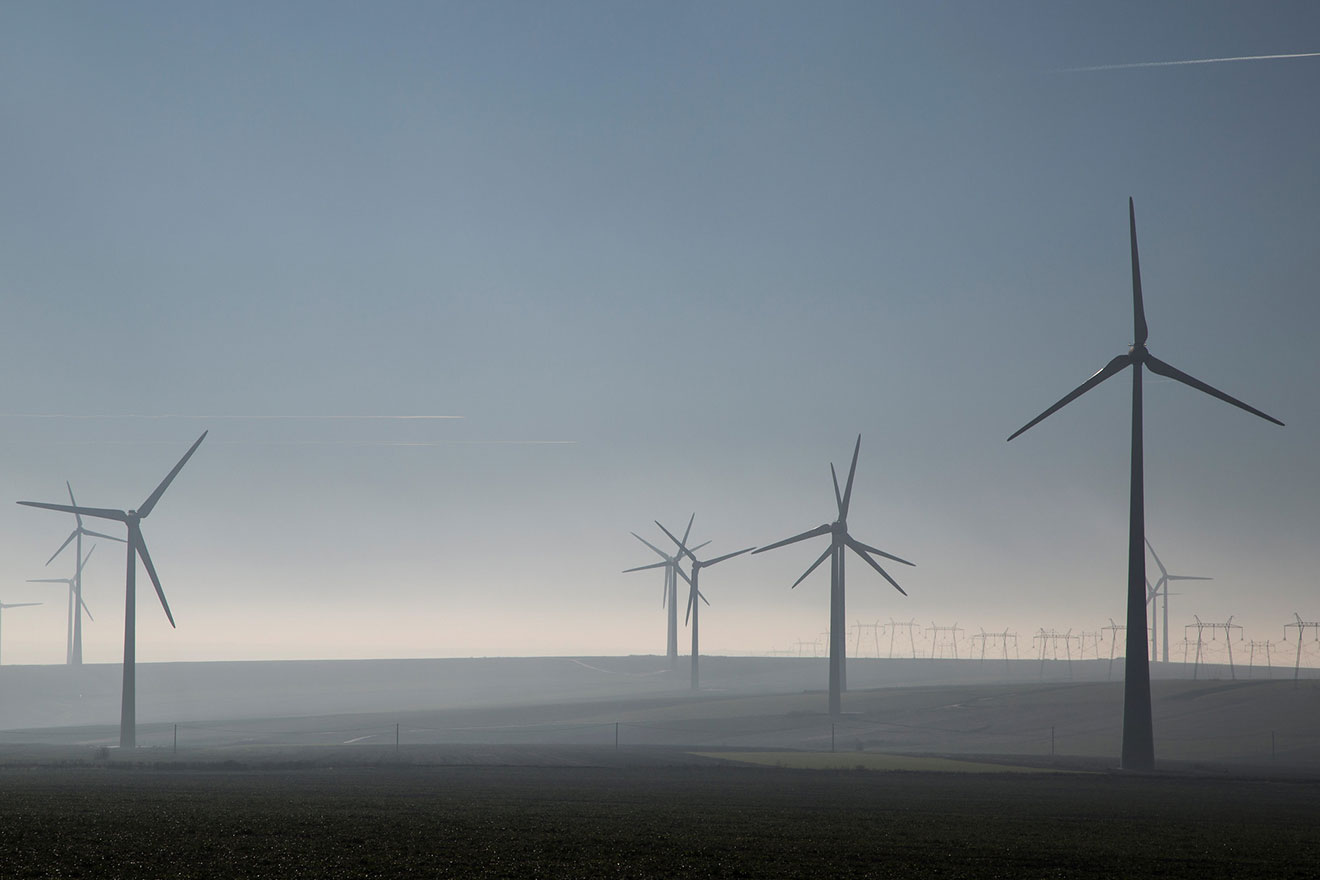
pixel 641 813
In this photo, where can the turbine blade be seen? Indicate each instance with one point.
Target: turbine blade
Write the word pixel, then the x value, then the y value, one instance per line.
pixel 150 503
pixel 688 530
pixel 1188 577
pixel 1158 366
pixel 869 549
pixel 77 518
pixel 819 530
pixel 1152 592
pixel 155 581
pixel 688 614
pixel 871 562
pixel 681 548
pixel 62 546
pixel 838 496
pixel 98 512
pixel 699 546
pixel 87 610
pixel 1100 375
pixel 22 604
pixel 683 574
pixel 702 597
pixel 89 533
pixel 662 553
pixel 852 472
pixel 83 564
pixel 47 580
pixel 822 558
pixel 1139 328
pixel 708 563
pixel 1164 571
pixel 645 567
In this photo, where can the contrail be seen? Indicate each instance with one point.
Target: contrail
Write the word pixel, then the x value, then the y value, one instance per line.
pixel 1189 61
pixel 221 418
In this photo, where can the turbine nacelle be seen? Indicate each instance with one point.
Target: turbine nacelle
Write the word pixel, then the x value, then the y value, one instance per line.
pixel 1138 352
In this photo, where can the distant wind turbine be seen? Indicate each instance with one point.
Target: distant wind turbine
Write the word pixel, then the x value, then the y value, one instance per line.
pixel 132 519
pixel 76 604
pixel 839 540
pixel 1138 750
pixel 75 644
pixel 669 598
pixel 4 605
pixel 694 592
pixel 1161 589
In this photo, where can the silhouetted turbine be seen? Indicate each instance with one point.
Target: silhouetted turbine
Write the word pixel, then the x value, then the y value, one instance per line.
pixel 132 519
pixel 75 602
pixel 1161 588
pixel 839 540
pixel 669 598
pixel 1138 751
pixel 75 653
pixel 694 593
pixel 4 605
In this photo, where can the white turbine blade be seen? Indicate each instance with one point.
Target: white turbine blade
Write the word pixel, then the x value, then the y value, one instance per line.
pixel 645 567
pixel 1158 366
pixel 819 530
pixel 711 562
pixel 76 517
pixel 86 609
pixel 91 534
pixel 1109 369
pixel 688 531
pixel 72 535
pixel 1188 577
pixel 681 548
pixel 869 549
pixel 871 562
pixel 150 503
pixel 663 554
pixel 852 472
pixel 48 580
pixel 1164 571
pixel 819 560
pixel 151 572
pixel 83 564
pixel 98 512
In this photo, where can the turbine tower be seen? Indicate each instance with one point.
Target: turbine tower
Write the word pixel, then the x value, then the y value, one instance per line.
pixel 839 541
pixel 76 604
pixel 4 605
pixel 75 652
pixel 669 598
pixel 1162 587
pixel 132 519
pixel 1138 751
pixel 694 592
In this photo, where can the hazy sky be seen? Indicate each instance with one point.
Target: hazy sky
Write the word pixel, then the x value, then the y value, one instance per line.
pixel 700 246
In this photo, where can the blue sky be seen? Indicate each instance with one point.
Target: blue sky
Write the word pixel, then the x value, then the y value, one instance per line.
pixel 704 244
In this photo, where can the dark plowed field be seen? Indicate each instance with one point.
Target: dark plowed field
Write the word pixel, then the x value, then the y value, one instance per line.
pixel 645 821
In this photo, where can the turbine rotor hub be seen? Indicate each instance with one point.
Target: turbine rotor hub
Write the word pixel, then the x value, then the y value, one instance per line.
pixel 1138 353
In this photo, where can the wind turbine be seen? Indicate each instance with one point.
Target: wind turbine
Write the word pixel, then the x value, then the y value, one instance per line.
pixel 75 651
pixel 1163 583
pixel 76 604
pixel 839 540
pixel 670 596
pixel 694 592
pixel 4 605
pixel 132 519
pixel 1138 751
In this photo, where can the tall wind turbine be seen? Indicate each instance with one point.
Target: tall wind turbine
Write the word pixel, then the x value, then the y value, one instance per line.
pixel 1138 752
pixel 669 599
pixel 1162 587
pixel 839 540
pixel 75 652
pixel 694 592
pixel 132 519
pixel 4 605
pixel 76 605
